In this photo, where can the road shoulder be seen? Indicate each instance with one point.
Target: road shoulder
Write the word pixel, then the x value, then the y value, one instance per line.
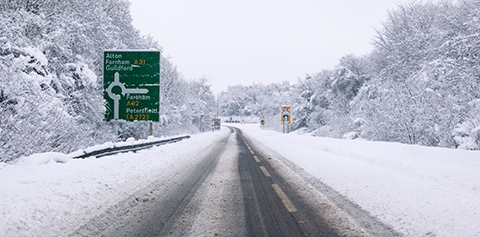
pixel 344 216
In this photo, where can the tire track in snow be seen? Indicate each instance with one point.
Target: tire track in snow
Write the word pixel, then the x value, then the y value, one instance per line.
pixel 153 211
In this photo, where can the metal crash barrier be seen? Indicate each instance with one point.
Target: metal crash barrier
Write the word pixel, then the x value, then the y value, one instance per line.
pixel 127 148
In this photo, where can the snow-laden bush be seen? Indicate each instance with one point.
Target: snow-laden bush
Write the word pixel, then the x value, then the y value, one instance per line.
pixel 350 136
pixel 467 137
pixel 467 134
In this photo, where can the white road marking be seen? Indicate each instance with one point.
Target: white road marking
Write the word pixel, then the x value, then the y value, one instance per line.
pixel 286 201
pixel 265 172
pixel 256 159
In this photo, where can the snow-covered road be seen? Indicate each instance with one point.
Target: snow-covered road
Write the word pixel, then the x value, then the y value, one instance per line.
pixel 419 191
pixel 200 198
pixel 55 199
pixel 229 189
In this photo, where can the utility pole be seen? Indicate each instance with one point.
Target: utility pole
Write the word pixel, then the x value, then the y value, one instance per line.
pixel 217 106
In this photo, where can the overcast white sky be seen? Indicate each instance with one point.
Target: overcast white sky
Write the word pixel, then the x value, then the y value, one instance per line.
pixel 234 42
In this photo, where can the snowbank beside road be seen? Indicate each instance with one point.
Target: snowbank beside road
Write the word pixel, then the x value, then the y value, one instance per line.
pixel 50 195
pixel 420 191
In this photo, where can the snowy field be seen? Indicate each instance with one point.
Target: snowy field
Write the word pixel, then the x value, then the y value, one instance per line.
pixel 420 191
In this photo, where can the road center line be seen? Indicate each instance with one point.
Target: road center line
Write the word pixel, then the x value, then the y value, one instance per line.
pixel 256 159
pixel 265 172
pixel 286 201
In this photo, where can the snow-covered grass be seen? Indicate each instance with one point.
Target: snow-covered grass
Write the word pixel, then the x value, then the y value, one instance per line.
pixel 420 191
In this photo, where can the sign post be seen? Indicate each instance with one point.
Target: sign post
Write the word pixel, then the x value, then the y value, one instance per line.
pixel 262 122
pixel 286 118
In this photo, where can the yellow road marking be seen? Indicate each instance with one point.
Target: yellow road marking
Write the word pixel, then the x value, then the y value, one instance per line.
pixel 265 172
pixel 286 201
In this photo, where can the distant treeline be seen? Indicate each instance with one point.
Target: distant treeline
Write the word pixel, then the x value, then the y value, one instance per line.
pixel 419 85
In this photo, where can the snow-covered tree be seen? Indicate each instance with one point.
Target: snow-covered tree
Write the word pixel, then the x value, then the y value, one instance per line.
pixel 51 56
pixel 424 76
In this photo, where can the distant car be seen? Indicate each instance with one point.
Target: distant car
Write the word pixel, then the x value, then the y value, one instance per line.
pixel 217 124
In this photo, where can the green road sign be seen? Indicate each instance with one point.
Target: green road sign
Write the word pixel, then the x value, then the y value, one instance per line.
pixel 131 82
pixel 286 118
pixel 285 114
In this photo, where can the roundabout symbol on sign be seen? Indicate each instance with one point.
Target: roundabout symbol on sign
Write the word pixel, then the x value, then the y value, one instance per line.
pixel 116 98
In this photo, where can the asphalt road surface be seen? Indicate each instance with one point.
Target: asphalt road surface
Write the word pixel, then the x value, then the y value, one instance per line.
pixel 230 189
pixel 272 207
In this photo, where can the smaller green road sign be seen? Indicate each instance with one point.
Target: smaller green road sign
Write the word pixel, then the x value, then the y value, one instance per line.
pixel 286 118
pixel 131 82
pixel 285 114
